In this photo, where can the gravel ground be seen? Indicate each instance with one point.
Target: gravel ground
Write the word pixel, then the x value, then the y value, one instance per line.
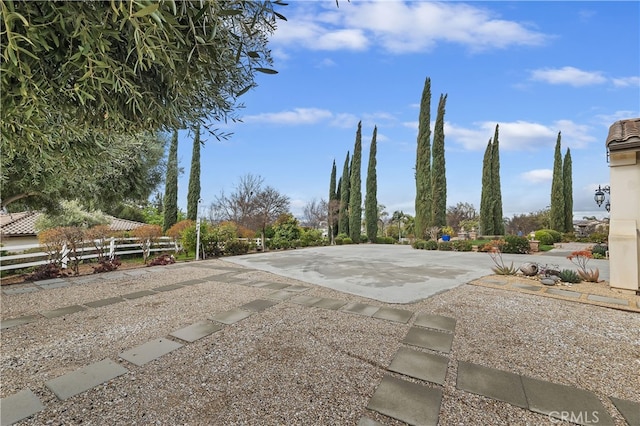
pixel 297 365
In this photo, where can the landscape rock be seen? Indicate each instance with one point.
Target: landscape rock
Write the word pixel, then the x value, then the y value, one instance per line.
pixel 529 269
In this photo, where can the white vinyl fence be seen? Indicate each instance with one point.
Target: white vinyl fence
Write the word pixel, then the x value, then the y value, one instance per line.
pixel 25 256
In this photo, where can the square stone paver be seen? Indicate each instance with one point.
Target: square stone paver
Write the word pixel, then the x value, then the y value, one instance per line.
pixel 149 351
pixel 527 287
pixel 20 290
pixel 437 322
pixel 630 410
pixel 64 387
pixel 328 303
pixel 406 401
pixel 281 295
pixel 50 281
pixel 49 284
pixel 192 282
pixel 197 331
pixel 14 322
pixel 271 285
pixel 365 421
pixel 258 305
pixel 421 365
pixel 604 299
pixel 169 287
pixel 554 400
pixel 565 293
pixel 303 299
pixel 63 311
pixel 104 302
pixel 392 314
pixel 429 339
pixel 360 309
pixel 494 282
pixel 496 384
pixel 232 316
pixel 138 294
pixel 135 272
pixel 19 406
pixel 297 288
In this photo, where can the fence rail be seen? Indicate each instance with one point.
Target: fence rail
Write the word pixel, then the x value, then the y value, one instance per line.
pixel 28 255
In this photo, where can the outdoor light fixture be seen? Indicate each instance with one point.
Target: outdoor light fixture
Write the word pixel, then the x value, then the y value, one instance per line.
pixel 599 197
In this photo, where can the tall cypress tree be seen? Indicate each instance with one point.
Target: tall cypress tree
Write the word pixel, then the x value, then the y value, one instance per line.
pixel 371 199
pixel 557 192
pixel 337 206
pixel 567 181
pixel 486 200
pixel 423 164
pixel 333 202
pixel 355 189
pixel 496 191
pixel 170 214
pixel 193 195
pixel 343 212
pixel 438 170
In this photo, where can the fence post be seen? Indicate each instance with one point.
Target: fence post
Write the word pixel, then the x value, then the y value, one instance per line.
pixel 64 259
pixel 112 248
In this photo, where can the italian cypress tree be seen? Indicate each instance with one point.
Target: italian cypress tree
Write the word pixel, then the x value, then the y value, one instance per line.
pixel 423 164
pixel 193 195
pixel 343 211
pixel 333 201
pixel 486 201
pixel 438 171
pixel 567 181
pixel 371 199
pixel 170 214
pixel 355 189
pixel 337 206
pixel 557 192
pixel 496 191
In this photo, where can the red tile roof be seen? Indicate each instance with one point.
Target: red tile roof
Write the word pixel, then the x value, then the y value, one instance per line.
pixel 22 224
pixel 624 134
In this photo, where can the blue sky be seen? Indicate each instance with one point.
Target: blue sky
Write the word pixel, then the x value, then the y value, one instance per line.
pixel 534 68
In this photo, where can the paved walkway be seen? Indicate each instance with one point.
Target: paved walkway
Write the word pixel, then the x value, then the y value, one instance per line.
pixel 414 402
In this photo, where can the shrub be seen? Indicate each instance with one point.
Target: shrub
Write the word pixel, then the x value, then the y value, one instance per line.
pixel 106 265
pixel 548 236
pixel 493 245
pixel 385 240
pixel 568 237
pixel 338 240
pixel 347 241
pixel 445 246
pixel 364 238
pixel 515 244
pixel 569 276
pixel 45 272
pixel 236 247
pixel 600 249
pixel 431 245
pixel 597 237
pixel 163 259
pixel 178 229
pixel 311 237
pixel 418 244
pixel 462 245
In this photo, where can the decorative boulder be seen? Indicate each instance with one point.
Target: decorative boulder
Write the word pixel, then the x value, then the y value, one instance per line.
pixel 548 281
pixel 529 269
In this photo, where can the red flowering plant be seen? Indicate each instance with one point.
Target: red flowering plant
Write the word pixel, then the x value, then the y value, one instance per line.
pixel 580 259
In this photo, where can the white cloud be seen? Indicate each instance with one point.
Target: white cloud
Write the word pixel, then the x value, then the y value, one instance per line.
pixel 296 116
pixel 568 75
pixel 403 27
pixel 538 176
pixel 626 81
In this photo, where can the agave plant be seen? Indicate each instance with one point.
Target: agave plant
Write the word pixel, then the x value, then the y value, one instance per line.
pixel 569 276
pixel 591 275
pixel 500 268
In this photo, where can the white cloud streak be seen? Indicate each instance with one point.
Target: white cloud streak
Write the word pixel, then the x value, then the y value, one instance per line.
pixel 538 176
pixel 568 75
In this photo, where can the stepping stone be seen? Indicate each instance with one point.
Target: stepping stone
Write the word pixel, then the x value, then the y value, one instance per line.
pixel 63 311
pixel 258 305
pixel 281 295
pixel 565 293
pixel 630 410
pixel 53 284
pixel 527 287
pixel 135 272
pixel 20 290
pixel 272 286
pixel 169 287
pixel 328 303
pixel 420 365
pixel 496 384
pixel 429 339
pixel 392 314
pixel 493 282
pixel 138 294
pixel 191 282
pixel 232 316
pixel 115 275
pixel 149 351
pixel 303 299
pixel 406 401
pixel 604 299
pixel 196 331
pixel 365 421
pixel 558 401
pixel 50 281
pixel 360 309
pixel 87 280
pixel 19 406
pixel 104 302
pixel 14 322
pixel 437 322
pixel 64 387
pixel 297 288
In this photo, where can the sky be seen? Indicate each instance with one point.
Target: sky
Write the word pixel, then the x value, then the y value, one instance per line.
pixel 533 68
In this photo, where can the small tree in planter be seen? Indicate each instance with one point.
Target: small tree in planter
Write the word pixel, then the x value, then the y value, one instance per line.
pixel 147 235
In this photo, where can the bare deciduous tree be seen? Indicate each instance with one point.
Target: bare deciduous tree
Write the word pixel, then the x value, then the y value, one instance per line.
pixel 315 212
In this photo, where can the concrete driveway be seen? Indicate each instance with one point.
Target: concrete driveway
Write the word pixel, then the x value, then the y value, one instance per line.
pixel 394 273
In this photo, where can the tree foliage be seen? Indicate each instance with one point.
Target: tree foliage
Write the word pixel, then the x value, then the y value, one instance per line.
pixel 438 169
pixel 315 212
pixel 170 210
pixel 486 201
pixel 423 163
pixel 193 194
pixel 496 190
pixel 355 189
pixel 567 181
pixel 334 203
pixel 371 198
pixel 459 214
pixel 71 214
pixel 557 191
pixel 343 210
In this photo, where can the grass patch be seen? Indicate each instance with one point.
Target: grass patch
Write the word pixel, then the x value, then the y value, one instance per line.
pixel 544 247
